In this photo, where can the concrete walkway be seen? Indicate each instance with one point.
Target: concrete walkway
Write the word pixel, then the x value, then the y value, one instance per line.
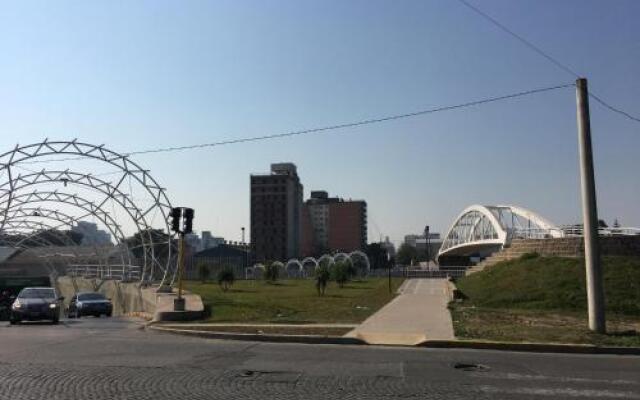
pixel 417 314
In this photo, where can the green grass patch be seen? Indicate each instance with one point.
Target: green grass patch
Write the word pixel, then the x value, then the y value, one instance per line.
pixel 295 301
pixel 544 299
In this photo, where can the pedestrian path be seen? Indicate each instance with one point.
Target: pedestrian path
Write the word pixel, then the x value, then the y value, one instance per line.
pixel 418 313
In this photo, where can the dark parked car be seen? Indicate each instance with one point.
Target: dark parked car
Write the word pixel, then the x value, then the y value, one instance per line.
pixel 36 304
pixel 89 303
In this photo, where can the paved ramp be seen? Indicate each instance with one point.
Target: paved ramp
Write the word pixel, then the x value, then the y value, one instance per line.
pixel 418 313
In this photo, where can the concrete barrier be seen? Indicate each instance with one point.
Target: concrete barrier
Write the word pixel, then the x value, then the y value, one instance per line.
pixel 130 298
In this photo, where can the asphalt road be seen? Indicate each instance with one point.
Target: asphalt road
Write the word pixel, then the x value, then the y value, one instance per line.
pixel 117 359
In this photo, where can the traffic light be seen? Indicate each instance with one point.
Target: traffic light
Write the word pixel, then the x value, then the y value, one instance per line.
pixel 176 214
pixel 188 220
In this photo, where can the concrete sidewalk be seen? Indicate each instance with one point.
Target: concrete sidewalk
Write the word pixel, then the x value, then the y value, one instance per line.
pixel 417 314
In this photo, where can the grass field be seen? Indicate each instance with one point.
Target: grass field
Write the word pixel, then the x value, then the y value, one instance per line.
pixel 543 299
pixel 294 301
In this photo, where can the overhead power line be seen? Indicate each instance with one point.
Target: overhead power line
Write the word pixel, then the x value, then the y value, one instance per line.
pixel 330 128
pixel 547 56
pixel 356 123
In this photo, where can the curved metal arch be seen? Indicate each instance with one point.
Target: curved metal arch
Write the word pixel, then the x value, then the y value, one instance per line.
pixel 494 215
pixel 17 243
pixel 23 214
pixel 128 167
pixel 449 244
pixel 362 255
pixel 72 200
pixel 111 193
pixel 15 227
pixel 341 256
pixel 541 222
pixel 325 257
pixel 100 153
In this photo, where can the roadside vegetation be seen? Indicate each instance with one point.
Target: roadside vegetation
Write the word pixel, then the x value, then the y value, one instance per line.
pixel 543 299
pixel 294 300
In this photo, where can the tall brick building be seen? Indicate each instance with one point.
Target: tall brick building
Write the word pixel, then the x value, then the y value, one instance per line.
pixel 333 224
pixel 276 202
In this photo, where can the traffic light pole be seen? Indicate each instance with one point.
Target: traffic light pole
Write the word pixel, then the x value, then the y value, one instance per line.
pixel 595 291
pixel 179 303
pixel 181 223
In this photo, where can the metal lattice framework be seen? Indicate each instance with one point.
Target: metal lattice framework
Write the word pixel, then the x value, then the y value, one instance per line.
pixel 492 227
pixel 27 200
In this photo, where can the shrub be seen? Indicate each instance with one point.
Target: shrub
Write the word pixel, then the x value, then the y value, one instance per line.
pixel 226 277
pixel 529 256
pixel 271 272
pixel 203 271
pixel 341 272
pixel 322 278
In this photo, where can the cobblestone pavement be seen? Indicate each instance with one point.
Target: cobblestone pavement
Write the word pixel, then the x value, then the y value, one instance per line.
pixel 116 359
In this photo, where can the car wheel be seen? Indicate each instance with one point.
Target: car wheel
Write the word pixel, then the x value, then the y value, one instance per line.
pixel 55 321
pixel 108 314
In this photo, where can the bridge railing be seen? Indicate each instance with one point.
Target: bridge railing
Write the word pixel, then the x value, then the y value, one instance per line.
pixel 620 231
pixel 121 272
pixel 568 231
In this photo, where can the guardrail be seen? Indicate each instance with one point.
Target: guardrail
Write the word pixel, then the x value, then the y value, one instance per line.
pixel 121 272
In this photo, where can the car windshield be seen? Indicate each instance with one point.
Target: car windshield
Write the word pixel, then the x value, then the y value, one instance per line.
pixel 91 296
pixel 37 294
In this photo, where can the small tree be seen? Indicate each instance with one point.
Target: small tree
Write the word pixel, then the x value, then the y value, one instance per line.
pixel 340 272
pixel 203 271
pixel 226 278
pixel 322 278
pixel 271 272
pixel 406 254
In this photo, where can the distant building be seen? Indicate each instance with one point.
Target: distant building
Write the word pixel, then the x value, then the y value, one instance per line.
pixel 91 235
pixel 333 224
pixel 193 241
pixel 209 241
pixel 420 243
pixel 276 202
pixel 216 258
pixel 389 247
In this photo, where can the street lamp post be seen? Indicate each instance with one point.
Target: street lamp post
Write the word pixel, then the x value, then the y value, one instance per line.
pixel 427 246
pixel 389 268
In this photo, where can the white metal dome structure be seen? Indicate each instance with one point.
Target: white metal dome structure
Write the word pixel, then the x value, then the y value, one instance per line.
pixel 54 185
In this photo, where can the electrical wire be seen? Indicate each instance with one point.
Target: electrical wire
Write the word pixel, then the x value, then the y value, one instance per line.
pixel 330 128
pixel 546 55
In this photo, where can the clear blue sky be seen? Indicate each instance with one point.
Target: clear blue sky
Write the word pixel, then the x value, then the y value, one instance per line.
pixel 138 75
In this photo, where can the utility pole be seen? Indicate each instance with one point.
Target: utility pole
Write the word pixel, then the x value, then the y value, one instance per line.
pixel 595 291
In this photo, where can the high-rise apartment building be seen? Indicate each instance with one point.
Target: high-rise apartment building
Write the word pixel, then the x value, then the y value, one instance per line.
pixel 276 202
pixel 333 224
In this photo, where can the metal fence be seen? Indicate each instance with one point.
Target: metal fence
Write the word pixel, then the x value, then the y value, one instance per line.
pixel 453 272
pixel 121 272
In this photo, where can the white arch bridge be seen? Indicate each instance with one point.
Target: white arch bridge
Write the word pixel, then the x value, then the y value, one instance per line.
pixel 481 230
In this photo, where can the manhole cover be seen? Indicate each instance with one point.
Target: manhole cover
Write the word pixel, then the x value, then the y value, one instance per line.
pixel 470 366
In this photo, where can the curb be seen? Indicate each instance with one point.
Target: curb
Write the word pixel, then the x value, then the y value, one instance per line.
pixel 530 347
pixel 433 344
pixel 254 337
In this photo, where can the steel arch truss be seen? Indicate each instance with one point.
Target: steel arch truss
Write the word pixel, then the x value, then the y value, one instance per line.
pixel 23 207
pixel 487 227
